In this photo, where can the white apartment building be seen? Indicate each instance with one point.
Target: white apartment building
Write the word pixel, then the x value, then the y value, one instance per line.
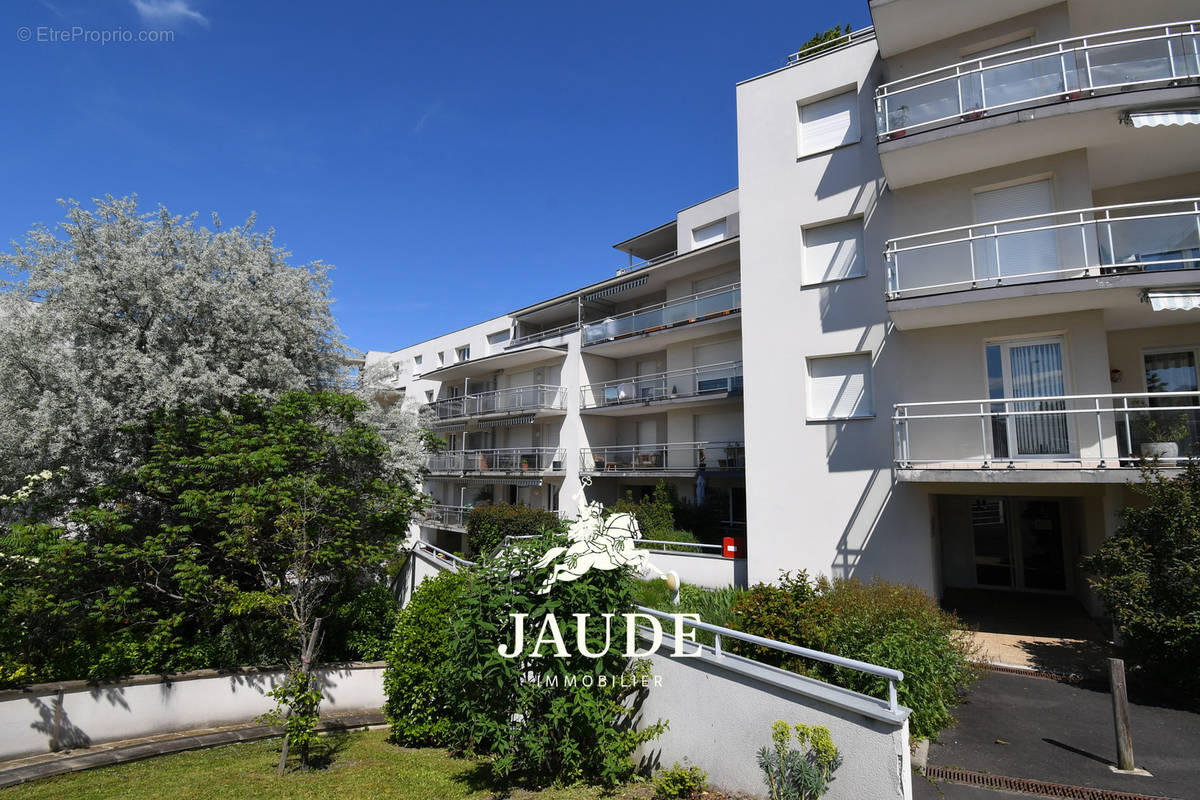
pixel 958 272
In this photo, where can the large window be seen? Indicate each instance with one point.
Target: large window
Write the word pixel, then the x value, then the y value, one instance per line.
pixel 463 353
pixel 708 234
pixel 839 387
pixel 828 123
pixel 833 252
pixel 1031 368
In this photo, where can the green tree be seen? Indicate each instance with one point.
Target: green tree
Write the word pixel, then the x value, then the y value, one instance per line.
pixel 824 40
pixel 1148 577
pixel 226 540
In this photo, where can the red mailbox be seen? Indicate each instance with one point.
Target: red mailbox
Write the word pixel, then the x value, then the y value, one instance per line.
pixel 734 547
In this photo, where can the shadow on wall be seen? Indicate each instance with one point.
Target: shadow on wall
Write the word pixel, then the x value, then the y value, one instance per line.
pixel 54 724
pixel 857 164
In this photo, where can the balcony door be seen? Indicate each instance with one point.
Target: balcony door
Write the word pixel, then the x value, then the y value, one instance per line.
pixel 1031 368
pixel 1019 543
pixel 1010 252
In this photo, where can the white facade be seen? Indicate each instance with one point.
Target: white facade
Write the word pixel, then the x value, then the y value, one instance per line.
pixel 946 271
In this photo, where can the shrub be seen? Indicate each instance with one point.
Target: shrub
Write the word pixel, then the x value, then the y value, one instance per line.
pixel 802 774
pixel 654 512
pixel 1148 577
pixel 538 727
pixel 487 526
pixel 419 675
pixel 881 623
pixel 679 781
pixel 358 623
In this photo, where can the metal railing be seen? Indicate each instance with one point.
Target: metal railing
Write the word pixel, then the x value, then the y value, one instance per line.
pixel 1131 237
pixel 681 311
pixel 1118 430
pixel 444 555
pixel 892 676
pixel 691 382
pixel 649 262
pixel 537 397
pixel 673 457
pixel 511 459
pixel 832 44
pixel 1112 61
pixel 450 516
pixel 538 336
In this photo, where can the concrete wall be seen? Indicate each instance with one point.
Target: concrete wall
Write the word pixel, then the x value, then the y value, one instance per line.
pixel 151 705
pixel 720 710
pixel 708 569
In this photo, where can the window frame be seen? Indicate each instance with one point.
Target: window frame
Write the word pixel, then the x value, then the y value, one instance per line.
pixel 804 229
pixel 802 151
pixel 869 384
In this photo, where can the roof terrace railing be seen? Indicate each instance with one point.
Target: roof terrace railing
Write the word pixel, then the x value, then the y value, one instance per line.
pixel 1057 71
pixel 681 311
pixel 709 379
pixel 451 516
pixel 1106 240
pixel 537 336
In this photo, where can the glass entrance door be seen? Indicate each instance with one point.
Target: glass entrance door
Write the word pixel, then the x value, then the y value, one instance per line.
pixel 1028 368
pixel 1019 543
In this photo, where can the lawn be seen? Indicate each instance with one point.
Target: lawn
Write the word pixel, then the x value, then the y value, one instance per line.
pixel 362 766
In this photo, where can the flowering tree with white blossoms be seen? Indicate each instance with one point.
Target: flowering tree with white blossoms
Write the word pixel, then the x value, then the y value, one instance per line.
pixel 117 313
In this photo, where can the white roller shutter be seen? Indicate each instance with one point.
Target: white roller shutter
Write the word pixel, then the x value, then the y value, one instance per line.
pixel 829 123
pixel 1017 254
pixel 833 252
pixel 839 387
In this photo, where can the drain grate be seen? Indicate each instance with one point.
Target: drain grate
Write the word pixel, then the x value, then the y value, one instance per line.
pixel 1025 786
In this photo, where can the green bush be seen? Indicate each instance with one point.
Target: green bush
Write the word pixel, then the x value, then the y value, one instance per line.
pixel 714 606
pixel 679 781
pixel 1148 577
pixel 882 623
pixel 654 512
pixel 536 716
pixel 487 526
pixel 419 675
pixel 358 623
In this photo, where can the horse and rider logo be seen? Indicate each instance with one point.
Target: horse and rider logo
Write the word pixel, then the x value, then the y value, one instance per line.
pixel 596 543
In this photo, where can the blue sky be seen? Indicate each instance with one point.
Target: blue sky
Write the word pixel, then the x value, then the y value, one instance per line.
pixel 453 161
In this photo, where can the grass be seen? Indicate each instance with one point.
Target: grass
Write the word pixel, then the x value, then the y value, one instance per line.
pixel 359 766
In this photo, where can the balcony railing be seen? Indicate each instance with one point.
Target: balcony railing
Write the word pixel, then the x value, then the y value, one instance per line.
pixel 509 460
pixel 538 336
pixel 682 457
pixel 682 311
pixel 1133 237
pixel 720 378
pixel 1089 430
pixel 447 516
pixel 519 398
pixel 1039 74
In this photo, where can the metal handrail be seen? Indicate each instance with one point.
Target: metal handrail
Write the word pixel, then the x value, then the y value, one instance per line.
pixel 668 303
pixel 820 48
pixel 539 335
pixel 506 459
pixel 1078 48
pixel 691 456
pixel 442 554
pixel 594 394
pixel 1097 243
pixel 446 515
pixel 698 545
pixel 892 675
pixel 984 411
pixel 529 398
pixel 609 324
pixel 647 262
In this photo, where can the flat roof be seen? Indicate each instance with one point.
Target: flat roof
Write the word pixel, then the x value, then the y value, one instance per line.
pixel 511 358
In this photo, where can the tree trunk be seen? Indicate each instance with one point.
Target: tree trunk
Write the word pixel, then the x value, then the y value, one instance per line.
pixel 306 669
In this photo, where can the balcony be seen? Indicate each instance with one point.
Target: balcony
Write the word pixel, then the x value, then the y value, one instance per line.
pixel 451 517
pixel 1094 437
pixel 515 400
pixel 686 458
pixel 1085 66
pixel 541 336
pixel 709 306
pixel 1090 242
pixel 507 461
pixel 710 382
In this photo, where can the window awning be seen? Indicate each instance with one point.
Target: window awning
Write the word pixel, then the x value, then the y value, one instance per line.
pixel 524 419
pixel 506 481
pixel 1154 119
pixel 1174 299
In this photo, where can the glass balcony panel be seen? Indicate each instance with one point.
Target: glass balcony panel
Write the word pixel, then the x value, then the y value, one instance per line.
pixel 1135 62
pixel 922 104
pixel 1159 243
pixel 1009 84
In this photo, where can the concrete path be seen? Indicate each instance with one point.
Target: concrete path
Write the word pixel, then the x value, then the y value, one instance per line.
pixel 1045 730
pixel 48 764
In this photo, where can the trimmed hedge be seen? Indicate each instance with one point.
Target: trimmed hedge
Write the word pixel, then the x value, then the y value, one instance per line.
pixel 487 526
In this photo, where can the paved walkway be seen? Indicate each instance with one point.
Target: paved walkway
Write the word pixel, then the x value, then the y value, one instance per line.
pixel 1050 731
pixel 48 764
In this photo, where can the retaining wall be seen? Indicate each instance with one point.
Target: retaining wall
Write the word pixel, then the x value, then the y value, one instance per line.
pixel 74 714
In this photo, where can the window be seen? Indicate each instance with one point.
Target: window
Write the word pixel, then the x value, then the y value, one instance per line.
pixel 463 353
pixel 708 234
pixel 839 387
pixel 833 252
pixel 417 359
pixel 1030 368
pixel 499 337
pixel 441 358
pixel 828 123
pixel 429 395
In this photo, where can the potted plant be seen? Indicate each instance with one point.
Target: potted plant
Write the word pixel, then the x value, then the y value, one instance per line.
pixel 1160 436
pixel 901 119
